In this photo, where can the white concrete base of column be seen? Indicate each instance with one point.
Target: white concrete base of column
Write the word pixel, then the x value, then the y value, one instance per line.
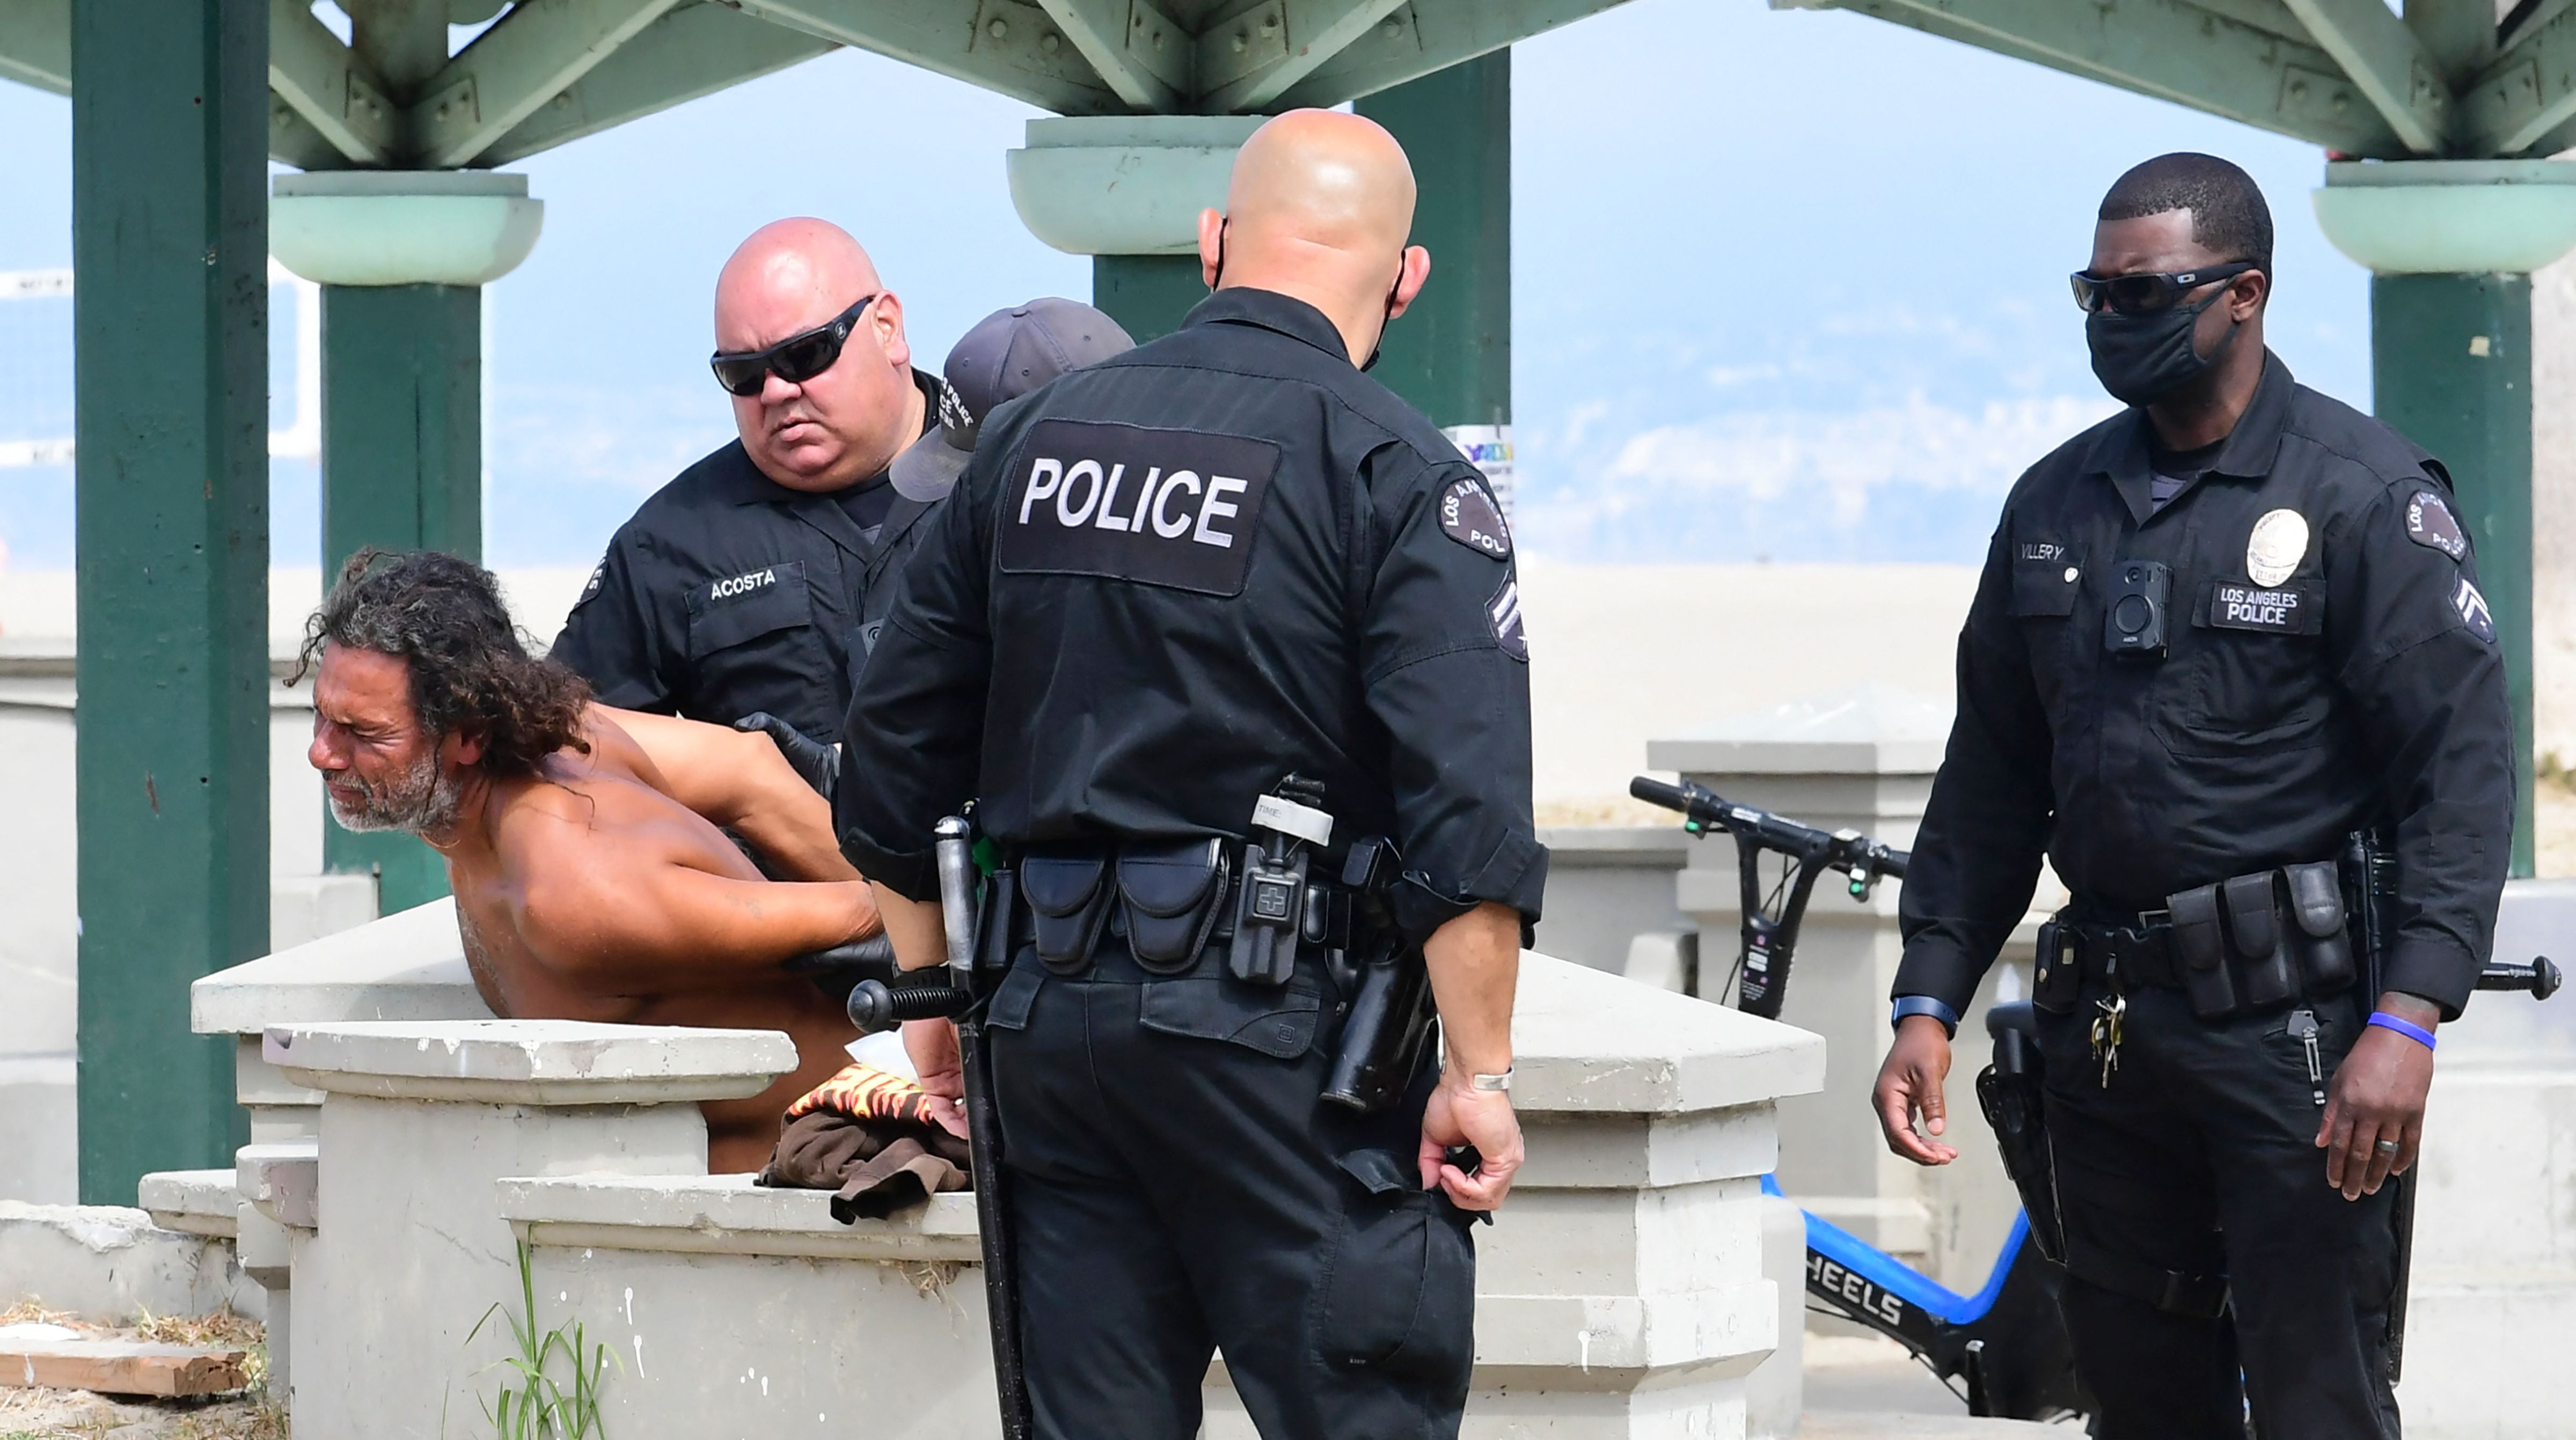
pixel 1125 184
pixel 402 227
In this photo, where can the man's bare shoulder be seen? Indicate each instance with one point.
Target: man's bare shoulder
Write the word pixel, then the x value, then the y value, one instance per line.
pixel 594 816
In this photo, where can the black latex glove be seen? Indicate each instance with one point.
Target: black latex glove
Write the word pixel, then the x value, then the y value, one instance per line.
pixel 816 763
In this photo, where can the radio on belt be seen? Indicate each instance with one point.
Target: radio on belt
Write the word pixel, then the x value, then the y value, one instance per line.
pixel 1272 910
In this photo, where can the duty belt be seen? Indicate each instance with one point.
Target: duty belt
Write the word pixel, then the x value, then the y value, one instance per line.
pixel 2134 954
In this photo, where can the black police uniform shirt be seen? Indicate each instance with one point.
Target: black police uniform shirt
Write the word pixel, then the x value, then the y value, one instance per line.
pixel 2332 664
pixel 728 593
pixel 1171 578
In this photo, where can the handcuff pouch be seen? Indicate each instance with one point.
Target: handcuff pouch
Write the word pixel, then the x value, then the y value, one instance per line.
pixel 2316 907
pixel 2262 950
pixel 1067 904
pixel 2057 976
pixel 1170 897
pixel 2200 943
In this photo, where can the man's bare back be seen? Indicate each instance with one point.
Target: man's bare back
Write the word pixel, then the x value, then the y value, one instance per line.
pixel 587 847
pixel 599 832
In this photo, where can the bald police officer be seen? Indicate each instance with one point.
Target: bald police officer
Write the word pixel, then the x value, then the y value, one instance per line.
pixel 738 587
pixel 1220 577
pixel 2216 634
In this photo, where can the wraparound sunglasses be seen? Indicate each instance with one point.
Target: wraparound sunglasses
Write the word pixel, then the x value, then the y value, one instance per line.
pixel 796 359
pixel 2142 294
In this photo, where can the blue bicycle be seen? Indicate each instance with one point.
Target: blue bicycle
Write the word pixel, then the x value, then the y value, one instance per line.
pixel 2003 1350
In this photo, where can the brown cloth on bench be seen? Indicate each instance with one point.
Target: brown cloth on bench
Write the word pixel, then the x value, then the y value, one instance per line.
pixel 861 1135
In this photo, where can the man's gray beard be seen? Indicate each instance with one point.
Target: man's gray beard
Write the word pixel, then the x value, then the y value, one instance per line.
pixel 423 801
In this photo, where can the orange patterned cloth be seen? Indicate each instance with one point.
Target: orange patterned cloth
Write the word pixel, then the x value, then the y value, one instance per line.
pixel 864 1092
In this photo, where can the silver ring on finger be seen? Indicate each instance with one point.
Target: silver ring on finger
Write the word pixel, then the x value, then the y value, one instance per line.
pixel 2387 1147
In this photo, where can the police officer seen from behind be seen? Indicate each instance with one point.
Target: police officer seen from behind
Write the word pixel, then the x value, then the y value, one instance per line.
pixel 737 588
pixel 2216 634
pixel 1220 577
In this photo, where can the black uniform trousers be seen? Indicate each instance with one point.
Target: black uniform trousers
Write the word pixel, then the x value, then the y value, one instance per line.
pixel 2200 1158
pixel 1178 1187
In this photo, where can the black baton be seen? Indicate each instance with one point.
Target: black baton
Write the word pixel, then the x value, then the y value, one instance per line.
pixel 983 1130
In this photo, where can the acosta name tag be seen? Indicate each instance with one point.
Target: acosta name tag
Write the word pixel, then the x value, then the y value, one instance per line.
pixel 1124 502
pixel 2247 607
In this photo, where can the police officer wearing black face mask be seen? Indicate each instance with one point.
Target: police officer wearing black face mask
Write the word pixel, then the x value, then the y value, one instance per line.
pixel 2216 634
pixel 738 588
pixel 1219 587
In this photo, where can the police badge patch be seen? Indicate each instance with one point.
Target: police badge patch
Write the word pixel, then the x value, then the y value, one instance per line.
pixel 1469 516
pixel 2430 523
pixel 1504 610
pixel 2473 611
pixel 2274 550
pixel 590 591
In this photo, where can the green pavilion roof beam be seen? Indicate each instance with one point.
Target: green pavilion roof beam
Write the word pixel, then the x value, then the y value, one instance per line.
pixel 532 55
pixel 692 51
pixel 330 88
pixel 2393 70
pixel 36 43
pixel 2210 57
pixel 2525 101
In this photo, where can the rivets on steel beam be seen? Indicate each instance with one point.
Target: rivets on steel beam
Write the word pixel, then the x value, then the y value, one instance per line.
pixel 1391 29
pixel 999 29
pixel 1049 41
pixel 1242 42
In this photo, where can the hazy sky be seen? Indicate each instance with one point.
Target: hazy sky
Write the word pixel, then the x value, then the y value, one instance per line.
pixel 1787 285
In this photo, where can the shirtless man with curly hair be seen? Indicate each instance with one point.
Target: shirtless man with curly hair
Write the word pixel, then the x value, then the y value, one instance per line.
pixel 586 845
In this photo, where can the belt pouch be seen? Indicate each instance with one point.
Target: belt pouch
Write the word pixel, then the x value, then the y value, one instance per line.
pixel 2200 942
pixel 1169 894
pixel 2316 904
pixel 2262 951
pixel 1001 903
pixel 2057 977
pixel 1066 896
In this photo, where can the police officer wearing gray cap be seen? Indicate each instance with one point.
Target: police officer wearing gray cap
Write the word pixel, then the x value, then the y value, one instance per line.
pixel 1008 354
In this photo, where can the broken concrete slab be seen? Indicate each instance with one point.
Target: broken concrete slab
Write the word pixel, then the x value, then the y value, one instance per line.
pixel 106 1263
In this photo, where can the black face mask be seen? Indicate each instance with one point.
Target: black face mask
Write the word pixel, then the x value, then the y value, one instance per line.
pixel 2141 359
pixel 1375 351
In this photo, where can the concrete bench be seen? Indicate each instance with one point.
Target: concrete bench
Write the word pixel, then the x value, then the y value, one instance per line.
pixel 1623 1287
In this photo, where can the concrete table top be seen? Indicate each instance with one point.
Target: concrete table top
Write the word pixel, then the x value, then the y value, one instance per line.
pixel 529 1062
pixel 1869 729
pixel 729 1215
pixel 406 966
pixel 1587 1041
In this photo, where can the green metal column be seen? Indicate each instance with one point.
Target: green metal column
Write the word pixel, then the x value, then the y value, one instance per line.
pixel 402 468
pixel 2451 369
pixel 170 315
pixel 1148 295
pixel 1451 354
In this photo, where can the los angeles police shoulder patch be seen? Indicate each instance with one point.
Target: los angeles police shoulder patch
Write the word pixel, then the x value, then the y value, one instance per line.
pixel 1469 516
pixel 590 592
pixel 2429 523
pixel 1504 610
pixel 2473 611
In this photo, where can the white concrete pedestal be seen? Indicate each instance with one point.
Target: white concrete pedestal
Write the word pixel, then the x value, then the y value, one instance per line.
pixel 1861 758
pixel 420 1121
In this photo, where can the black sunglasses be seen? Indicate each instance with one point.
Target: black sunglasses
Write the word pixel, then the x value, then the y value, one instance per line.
pixel 2143 294
pixel 797 359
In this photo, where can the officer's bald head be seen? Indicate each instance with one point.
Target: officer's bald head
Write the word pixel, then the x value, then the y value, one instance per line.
pixel 835 428
pixel 790 276
pixel 1319 208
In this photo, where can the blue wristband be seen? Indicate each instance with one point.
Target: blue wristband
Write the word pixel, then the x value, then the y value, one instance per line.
pixel 2407 1028
pixel 1925 1005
